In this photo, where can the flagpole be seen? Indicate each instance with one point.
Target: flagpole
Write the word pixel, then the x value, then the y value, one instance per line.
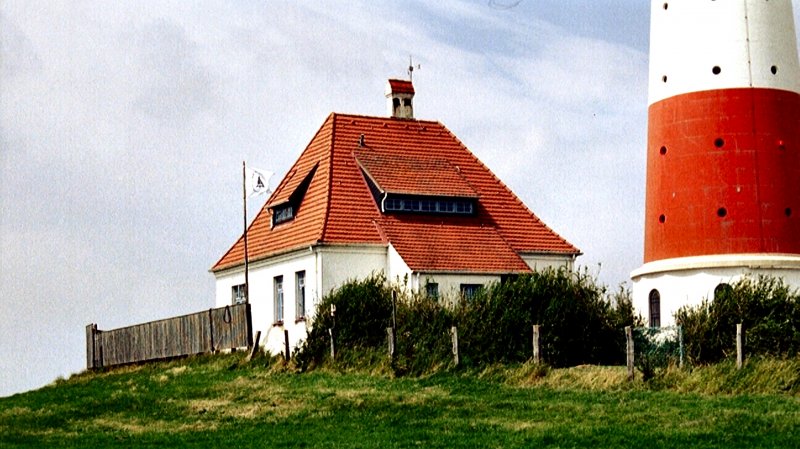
pixel 246 262
pixel 249 323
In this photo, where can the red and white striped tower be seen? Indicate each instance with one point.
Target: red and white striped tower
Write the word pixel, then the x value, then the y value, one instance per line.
pixel 723 151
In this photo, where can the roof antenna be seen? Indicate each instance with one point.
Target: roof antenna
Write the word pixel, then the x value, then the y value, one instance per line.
pixel 411 68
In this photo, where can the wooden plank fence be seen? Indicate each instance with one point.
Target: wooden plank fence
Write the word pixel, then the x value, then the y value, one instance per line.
pixel 202 332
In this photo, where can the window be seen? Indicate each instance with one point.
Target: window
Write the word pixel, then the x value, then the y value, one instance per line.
pixel 468 291
pixel 722 291
pixel 282 213
pixel 432 290
pixel 300 295
pixel 429 205
pixel 237 294
pixel 655 308
pixel 278 281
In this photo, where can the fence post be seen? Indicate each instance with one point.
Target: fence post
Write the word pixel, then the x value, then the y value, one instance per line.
pixel 254 349
pixel 454 336
pixel 739 346
pixel 390 335
pixel 211 328
pixel 286 344
pixel 536 344
pixel 333 350
pixel 680 346
pixel 91 353
pixel 629 347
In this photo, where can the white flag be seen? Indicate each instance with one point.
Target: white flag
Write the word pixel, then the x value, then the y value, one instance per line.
pixel 257 181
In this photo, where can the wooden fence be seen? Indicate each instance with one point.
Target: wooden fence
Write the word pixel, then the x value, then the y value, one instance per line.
pixel 227 327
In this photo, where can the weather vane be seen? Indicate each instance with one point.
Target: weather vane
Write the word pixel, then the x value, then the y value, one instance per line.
pixel 411 68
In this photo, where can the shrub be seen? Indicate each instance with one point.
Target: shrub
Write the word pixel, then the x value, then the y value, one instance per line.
pixel 580 323
pixel 768 309
pixel 363 311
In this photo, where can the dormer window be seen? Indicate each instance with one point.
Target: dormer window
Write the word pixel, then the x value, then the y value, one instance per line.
pixel 461 206
pixel 288 198
pixel 282 214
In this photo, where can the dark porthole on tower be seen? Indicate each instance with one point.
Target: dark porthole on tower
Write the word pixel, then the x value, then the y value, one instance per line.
pixel 664 78
pixel 663 150
pixel 666 5
pixel 722 212
pixel 716 70
pixel 719 142
pixel 774 70
pixel 788 211
pixel 662 218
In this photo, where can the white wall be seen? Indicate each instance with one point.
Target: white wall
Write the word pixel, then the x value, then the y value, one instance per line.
pixel 326 268
pixel 450 284
pixel 540 262
pixel 687 281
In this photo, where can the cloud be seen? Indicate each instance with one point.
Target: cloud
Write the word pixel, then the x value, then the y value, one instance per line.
pixel 124 129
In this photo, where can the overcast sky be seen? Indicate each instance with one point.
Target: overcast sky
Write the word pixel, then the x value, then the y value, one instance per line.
pixel 123 129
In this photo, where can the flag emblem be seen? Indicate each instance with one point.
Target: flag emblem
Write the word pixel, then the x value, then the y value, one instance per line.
pixel 258 181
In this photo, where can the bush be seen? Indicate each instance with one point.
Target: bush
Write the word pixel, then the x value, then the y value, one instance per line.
pixel 580 323
pixel 363 311
pixel 768 309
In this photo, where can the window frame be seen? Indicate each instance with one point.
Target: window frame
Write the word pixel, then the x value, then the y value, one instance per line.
pixel 278 300
pixel 238 295
pixel 468 290
pixel 432 290
pixel 300 296
pixel 654 313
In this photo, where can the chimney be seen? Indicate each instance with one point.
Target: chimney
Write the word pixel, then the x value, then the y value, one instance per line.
pixel 399 98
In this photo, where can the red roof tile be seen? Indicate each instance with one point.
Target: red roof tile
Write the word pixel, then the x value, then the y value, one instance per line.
pixel 396 173
pixel 460 244
pixel 401 86
pixel 401 156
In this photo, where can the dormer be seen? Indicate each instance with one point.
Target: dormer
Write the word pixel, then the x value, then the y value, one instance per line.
pixel 399 98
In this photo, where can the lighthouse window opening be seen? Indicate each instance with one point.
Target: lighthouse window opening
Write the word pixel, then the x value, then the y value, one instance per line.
pixel 788 211
pixel 722 212
pixel 774 70
pixel 716 70
pixel 663 150
pixel 719 142
pixel 664 78
pixel 722 291
pixel 666 5
pixel 655 308
pixel 662 218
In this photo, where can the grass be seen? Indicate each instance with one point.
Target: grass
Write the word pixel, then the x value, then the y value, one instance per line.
pixel 224 401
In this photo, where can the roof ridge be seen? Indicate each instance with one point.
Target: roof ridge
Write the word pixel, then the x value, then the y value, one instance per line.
pixel 511 192
pixel 332 117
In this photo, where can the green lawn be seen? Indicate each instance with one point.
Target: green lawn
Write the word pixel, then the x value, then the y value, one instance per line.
pixel 224 402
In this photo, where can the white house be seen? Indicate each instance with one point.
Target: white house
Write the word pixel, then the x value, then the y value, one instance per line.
pixel 394 195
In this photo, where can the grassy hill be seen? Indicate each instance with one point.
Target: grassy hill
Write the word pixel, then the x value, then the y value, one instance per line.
pixel 224 401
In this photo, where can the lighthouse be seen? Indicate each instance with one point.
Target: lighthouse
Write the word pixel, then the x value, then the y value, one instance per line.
pixel 723 151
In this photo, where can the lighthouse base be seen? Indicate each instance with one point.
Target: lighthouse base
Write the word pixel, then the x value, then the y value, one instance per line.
pixel 662 287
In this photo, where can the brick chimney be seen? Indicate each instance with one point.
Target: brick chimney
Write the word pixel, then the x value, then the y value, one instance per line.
pixel 399 98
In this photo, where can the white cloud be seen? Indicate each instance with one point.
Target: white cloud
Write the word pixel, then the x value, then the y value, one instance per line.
pixel 124 128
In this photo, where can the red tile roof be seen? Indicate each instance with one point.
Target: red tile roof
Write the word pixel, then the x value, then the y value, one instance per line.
pixel 401 86
pixel 397 173
pixel 401 156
